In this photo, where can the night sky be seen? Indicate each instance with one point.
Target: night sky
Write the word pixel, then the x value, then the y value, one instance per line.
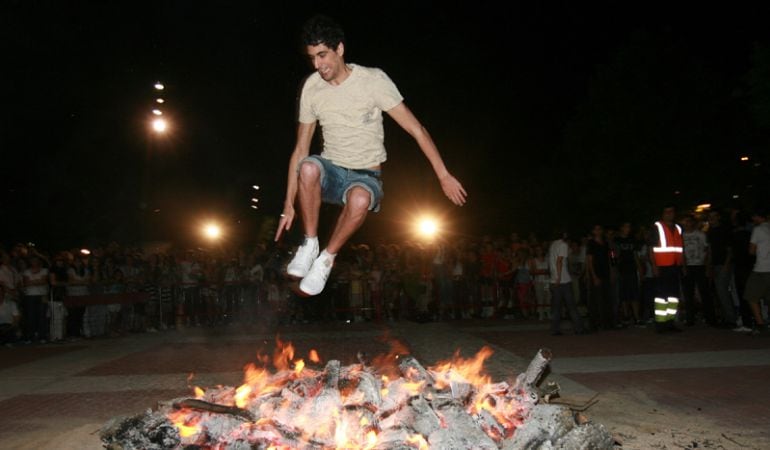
pixel 550 115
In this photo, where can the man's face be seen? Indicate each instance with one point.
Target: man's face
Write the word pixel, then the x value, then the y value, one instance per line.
pixel 328 62
pixel 669 214
pixel 625 229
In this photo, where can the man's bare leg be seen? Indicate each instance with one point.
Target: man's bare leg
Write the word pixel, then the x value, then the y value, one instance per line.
pixel 352 217
pixel 309 192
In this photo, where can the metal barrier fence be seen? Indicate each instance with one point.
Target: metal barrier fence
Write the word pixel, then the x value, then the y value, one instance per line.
pixel 101 309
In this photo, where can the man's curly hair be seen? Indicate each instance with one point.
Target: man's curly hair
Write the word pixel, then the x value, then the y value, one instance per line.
pixel 324 30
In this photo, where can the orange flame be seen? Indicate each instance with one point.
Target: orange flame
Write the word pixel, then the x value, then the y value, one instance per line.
pixel 242 395
pixel 298 366
pixel 418 440
pixel 283 354
pixel 351 430
pixel 460 369
pixel 185 423
pixel 199 393
pixel 371 440
pixel 413 388
pixel 388 363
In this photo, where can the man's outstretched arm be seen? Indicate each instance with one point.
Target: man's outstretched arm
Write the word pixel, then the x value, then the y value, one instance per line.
pixel 449 184
pixel 301 150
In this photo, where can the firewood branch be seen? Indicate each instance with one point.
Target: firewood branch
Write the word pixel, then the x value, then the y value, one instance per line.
pixel 201 405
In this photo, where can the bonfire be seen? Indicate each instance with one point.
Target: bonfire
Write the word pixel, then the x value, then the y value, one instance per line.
pixel 392 402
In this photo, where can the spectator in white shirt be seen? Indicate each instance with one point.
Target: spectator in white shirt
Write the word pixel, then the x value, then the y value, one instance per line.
pixel 9 319
pixel 561 286
pixel 695 262
pixel 35 280
pixel 758 284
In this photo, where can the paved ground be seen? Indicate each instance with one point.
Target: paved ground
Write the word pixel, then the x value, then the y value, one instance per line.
pixel 702 388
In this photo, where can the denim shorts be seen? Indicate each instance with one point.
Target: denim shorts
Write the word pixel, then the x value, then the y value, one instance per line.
pixel 336 181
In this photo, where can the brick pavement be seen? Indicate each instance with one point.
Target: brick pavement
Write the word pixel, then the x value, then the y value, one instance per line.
pixel 56 396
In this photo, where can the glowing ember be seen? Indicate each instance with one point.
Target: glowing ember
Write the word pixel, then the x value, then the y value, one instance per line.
pixel 418 441
pixel 199 393
pixel 186 423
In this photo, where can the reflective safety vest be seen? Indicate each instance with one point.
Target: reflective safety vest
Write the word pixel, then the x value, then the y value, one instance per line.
pixel 668 252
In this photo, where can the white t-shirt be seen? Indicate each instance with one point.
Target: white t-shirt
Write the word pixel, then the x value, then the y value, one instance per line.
pixel 78 284
pixel 559 248
pixel 350 115
pixel 760 236
pixel 37 289
pixel 695 245
pixel 9 278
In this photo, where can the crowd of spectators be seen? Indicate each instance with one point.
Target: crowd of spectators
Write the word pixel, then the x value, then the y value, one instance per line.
pixel 113 289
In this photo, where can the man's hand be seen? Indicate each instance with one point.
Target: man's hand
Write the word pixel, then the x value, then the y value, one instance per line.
pixel 453 189
pixel 287 217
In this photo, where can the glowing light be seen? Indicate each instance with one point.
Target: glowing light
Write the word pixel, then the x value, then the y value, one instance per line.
pixel 744 158
pixel 427 227
pixel 254 207
pixel 703 207
pixel 85 251
pixel 212 231
pixel 298 366
pixel 159 86
pixel 160 100
pixel 256 188
pixel 254 199
pixel 157 112
pixel 159 125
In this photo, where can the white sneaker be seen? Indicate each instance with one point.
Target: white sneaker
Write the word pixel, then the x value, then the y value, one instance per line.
pixel 303 258
pixel 315 280
pixel 742 329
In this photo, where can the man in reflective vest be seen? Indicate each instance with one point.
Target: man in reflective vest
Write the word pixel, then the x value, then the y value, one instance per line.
pixel 666 259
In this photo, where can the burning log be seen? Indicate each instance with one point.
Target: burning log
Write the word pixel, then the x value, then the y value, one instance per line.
pixel 447 406
pixel 536 368
pixel 412 370
pixel 201 405
pixel 461 431
pixel 364 391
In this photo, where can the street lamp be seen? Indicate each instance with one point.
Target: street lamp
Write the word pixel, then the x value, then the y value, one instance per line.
pixel 159 125
pixel 427 228
pixel 212 231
